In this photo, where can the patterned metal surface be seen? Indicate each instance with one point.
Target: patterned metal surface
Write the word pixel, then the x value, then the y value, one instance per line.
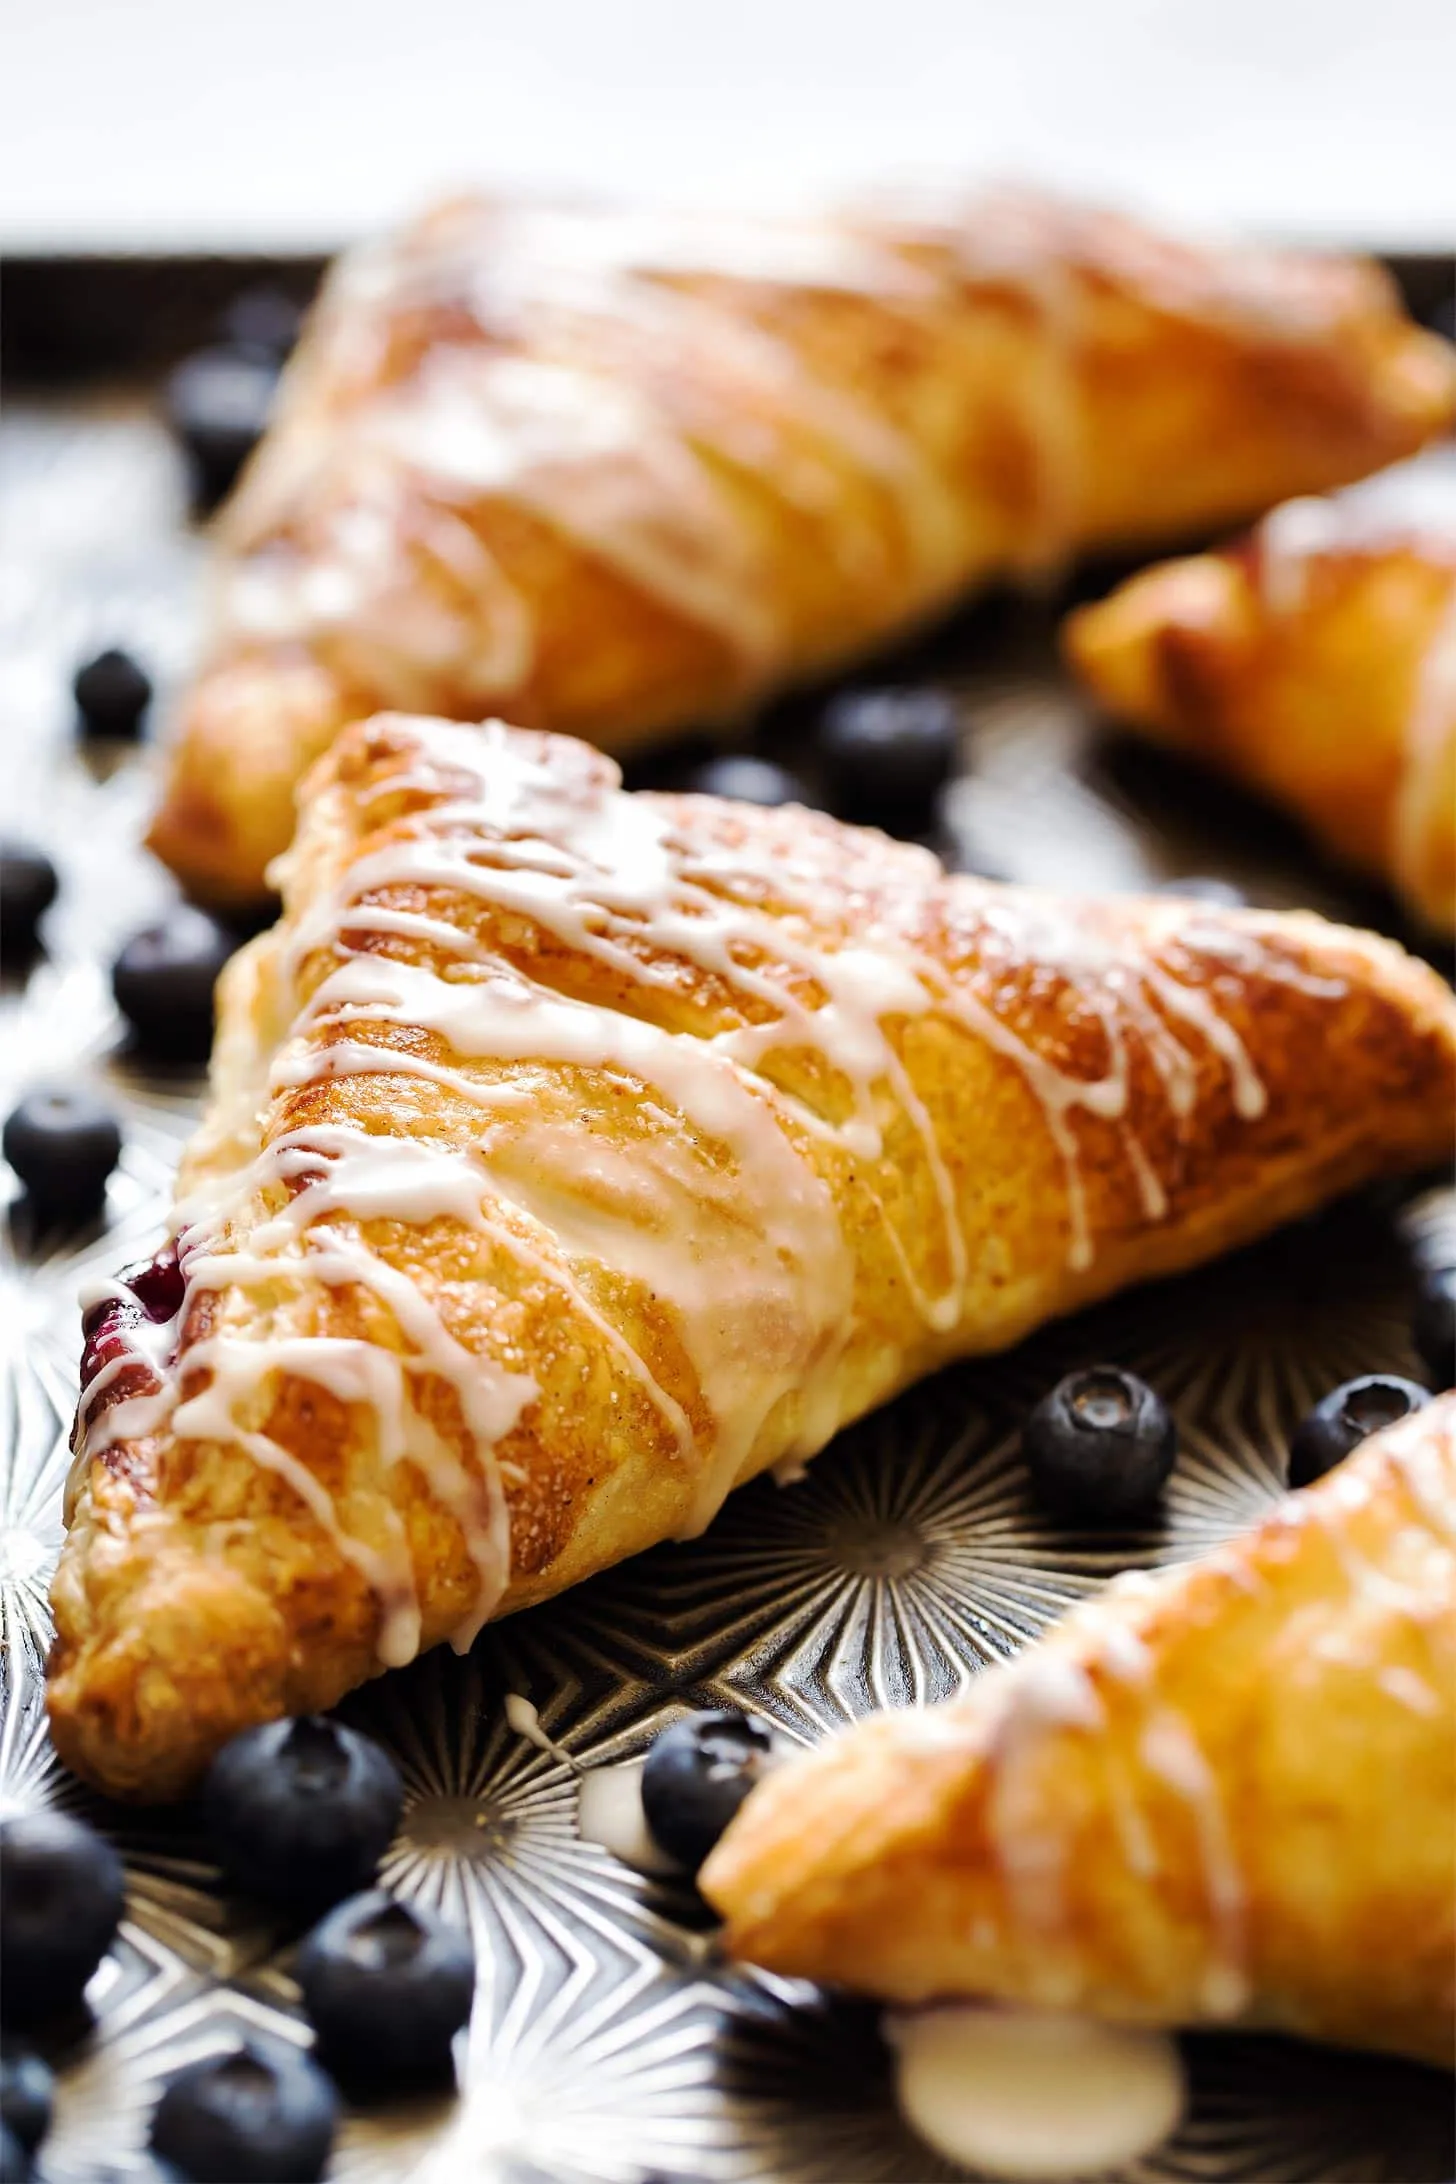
pixel 607 2042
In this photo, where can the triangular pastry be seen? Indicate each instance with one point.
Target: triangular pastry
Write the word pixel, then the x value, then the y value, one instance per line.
pixel 612 474
pixel 1317 663
pixel 574 1155
pixel 1224 1793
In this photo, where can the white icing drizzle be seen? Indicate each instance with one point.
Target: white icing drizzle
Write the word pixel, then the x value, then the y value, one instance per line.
pixel 629 378
pixel 1170 1750
pixel 1030 2094
pixel 727 1224
pixel 609 1812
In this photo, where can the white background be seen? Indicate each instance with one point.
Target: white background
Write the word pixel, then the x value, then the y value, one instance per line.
pixel 158 123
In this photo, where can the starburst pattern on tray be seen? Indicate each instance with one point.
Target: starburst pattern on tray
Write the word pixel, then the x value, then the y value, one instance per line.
pixel 607 2044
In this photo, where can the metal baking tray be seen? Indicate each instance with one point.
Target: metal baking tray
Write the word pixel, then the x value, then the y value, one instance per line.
pixel 609 2046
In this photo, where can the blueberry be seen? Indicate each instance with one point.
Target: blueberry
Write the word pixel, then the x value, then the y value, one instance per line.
pixel 1100 1445
pixel 887 753
pixel 112 695
pixel 217 404
pixel 163 981
pixel 302 1811
pixel 697 1775
pixel 386 1986
pixel 14 2160
pixel 263 321
pixel 61 1898
pixel 27 2095
pixel 1200 887
pixel 257 2115
pixel 1433 1325
pixel 27 889
pixel 1346 1417
pixel 63 1145
pixel 746 780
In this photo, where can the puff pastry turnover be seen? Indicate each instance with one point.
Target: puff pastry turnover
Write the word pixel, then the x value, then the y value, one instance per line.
pixel 610 475
pixel 1317 663
pixel 574 1155
pixel 1221 1794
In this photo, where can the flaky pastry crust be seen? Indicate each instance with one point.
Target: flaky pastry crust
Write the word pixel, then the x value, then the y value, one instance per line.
pixel 1220 1795
pixel 574 1155
pixel 612 475
pixel 1317 663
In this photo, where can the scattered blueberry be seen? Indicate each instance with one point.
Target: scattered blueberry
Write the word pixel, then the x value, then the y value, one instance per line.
pixel 747 780
pixel 697 1775
pixel 1346 1417
pixel 302 1811
pixel 63 1144
pixel 27 890
pixel 112 695
pixel 1433 1326
pixel 264 321
pixel 14 2160
pixel 61 1898
pixel 386 1986
pixel 1100 1445
pixel 257 2115
pixel 163 981
pixel 1201 887
pixel 217 405
pixel 888 753
pixel 27 2095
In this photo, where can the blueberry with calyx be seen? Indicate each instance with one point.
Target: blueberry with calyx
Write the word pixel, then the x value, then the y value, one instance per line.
pixel 1347 1416
pixel 217 404
pixel 62 1891
pixel 386 1986
pixel 112 694
pixel 1433 1325
pixel 696 1776
pixel 888 753
pixel 256 2115
pixel 28 887
pixel 263 322
pixel 302 1811
pixel 163 981
pixel 63 1145
pixel 1100 1445
pixel 745 779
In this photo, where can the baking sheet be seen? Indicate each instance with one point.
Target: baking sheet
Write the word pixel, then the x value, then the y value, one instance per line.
pixel 607 2043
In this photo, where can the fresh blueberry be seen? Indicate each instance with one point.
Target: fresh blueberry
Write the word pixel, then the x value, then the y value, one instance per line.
pixel 112 695
pixel 61 1897
pixel 257 2115
pixel 301 1812
pixel 746 780
pixel 14 2160
pixel 27 890
pixel 1433 1326
pixel 888 753
pixel 1100 1445
pixel 63 1145
pixel 1346 1417
pixel 217 404
pixel 386 1986
pixel 697 1775
pixel 163 981
pixel 27 2096
pixel 263 321
pixel 1201 887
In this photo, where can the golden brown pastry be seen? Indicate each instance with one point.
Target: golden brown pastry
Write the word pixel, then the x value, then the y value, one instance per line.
pixel 575 1155
pixel 1317 663
pixel 608 474
pixel 1225 1793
